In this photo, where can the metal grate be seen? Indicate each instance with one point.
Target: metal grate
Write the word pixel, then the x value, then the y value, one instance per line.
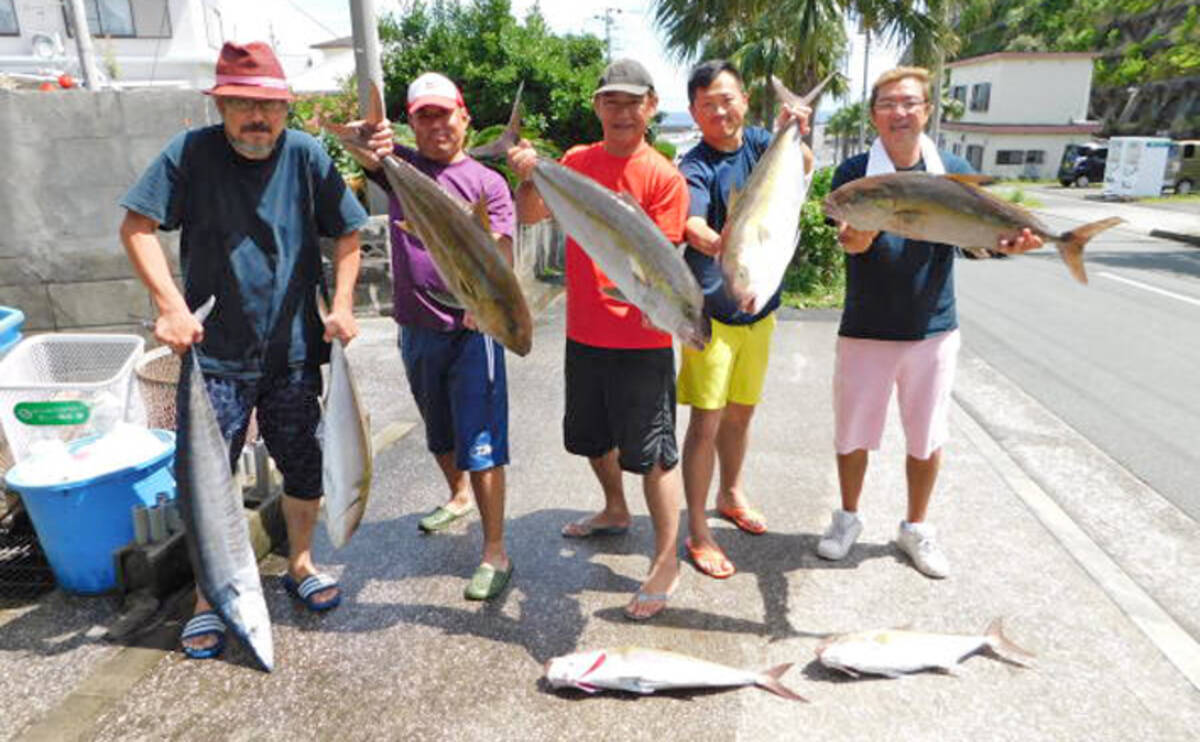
pixel 24 572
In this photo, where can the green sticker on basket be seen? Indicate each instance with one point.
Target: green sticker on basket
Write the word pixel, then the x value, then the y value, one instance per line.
pixel 71 412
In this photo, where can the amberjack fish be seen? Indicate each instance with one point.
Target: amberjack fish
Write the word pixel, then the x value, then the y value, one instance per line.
pixel 211 502
pixel 763 226
pixel 458 237
pixel 893 652
pixel 953 210
pixel 646 270
pixel 346 461
pixel 641 670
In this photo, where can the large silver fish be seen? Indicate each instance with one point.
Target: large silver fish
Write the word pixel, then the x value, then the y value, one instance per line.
pixel 893 652
pixel 763 226
pixel 211 502
pixel 458 237
pixel 345 451
pixel 952 210
pixel 647 270
pixel 641 670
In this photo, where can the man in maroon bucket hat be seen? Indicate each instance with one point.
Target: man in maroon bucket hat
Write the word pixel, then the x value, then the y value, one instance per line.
pixel 251 199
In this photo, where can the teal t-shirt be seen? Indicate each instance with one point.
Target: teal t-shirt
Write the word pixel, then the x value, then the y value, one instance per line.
pixel 249 237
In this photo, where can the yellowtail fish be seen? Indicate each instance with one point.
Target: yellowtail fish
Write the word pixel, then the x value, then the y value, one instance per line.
pixel 893 652
pixel 641 670
pixel 953 210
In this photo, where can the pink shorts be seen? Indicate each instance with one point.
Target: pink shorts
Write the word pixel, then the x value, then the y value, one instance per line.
pixel 922 372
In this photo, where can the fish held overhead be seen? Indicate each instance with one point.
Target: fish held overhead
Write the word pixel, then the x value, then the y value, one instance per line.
pixel 459 239
pixel 952 210
pixel 763 227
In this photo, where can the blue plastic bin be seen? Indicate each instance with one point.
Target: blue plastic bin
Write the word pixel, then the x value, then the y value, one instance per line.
pixel 80 524
pixel 10 328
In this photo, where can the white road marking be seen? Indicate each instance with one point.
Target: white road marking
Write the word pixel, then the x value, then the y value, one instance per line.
pixel 1148 287
pixel 1159 627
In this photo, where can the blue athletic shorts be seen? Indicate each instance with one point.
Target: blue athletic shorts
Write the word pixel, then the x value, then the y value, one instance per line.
pixel 458 381
pixel 288 413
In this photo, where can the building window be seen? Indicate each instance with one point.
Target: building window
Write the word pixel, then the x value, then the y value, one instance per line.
pixel 1009 157
pixel 957 149
pixel 1034 157
pixel 8 19
pixel 981 94
pixel 1189 151
pixel 975 156
pixel 959 93
pixel 143 19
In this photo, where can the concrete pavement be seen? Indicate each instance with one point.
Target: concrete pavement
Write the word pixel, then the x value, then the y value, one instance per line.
pixel 407 658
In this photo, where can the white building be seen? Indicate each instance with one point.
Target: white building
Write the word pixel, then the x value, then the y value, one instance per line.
pixel 1021 110
pixel 155 42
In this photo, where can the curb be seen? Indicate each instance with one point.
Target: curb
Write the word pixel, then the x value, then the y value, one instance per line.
pixel 1191 239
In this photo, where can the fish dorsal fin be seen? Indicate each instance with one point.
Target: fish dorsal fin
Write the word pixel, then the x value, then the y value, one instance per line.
pixel 445 298
pixel 971 179
pixel 374 105
pixel 480 209
pixel 735 195
pixel 613 292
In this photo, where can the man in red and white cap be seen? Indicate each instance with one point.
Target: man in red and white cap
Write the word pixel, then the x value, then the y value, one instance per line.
pixel 252 198
pixel 456 374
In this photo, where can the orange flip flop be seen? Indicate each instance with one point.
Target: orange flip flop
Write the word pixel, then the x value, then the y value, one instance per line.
pixel 705 556
pixel 747 519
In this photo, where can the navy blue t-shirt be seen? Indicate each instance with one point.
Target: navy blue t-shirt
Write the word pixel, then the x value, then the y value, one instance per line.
pixel 711 174
pixel 899 289
pixel 250 230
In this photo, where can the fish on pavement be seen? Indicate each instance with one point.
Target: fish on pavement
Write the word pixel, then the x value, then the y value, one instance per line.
pixel 893 652
pixel 952 210
pixel 763 226
pixel 641 670
pixel 644 267
pixel 458 237
pixel 218 537
pixel 345 451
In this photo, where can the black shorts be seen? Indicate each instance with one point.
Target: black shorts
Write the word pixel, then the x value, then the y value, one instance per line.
pixel 624 399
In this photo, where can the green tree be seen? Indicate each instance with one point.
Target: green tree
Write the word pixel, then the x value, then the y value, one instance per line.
pixel 488 53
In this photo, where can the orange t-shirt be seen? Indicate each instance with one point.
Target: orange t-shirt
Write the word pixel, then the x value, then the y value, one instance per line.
pixel 593 317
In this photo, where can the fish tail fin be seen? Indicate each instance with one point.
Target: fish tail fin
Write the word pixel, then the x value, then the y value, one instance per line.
pixel 511 135
pixel 1005 647
pixel 789 98
pixel 1070 244
pixel 770 681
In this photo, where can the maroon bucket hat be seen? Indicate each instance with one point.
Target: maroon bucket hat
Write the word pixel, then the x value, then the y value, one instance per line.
pixel 250 71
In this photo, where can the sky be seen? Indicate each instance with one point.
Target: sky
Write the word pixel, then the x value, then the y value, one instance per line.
pixel 633 34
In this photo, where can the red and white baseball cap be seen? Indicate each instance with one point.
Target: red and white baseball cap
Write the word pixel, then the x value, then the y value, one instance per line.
pixel 250 71
pixel 432 89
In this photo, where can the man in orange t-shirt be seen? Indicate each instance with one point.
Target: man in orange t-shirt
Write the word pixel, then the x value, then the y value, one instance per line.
pixel 620 370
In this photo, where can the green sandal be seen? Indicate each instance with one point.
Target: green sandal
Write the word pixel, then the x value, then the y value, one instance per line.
pixel 487 582
pixel 440 518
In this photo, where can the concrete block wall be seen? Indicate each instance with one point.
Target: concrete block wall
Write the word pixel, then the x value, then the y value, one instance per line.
pixel 67 157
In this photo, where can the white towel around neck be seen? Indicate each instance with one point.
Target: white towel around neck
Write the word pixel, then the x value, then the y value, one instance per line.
pixel 879 163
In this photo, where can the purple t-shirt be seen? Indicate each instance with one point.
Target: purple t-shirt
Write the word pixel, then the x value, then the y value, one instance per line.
pixel 413 271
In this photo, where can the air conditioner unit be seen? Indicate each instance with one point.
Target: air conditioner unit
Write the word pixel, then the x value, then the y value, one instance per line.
pixel 47 45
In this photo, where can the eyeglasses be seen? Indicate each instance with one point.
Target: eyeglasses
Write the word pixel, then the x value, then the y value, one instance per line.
pixel 887 105
pixel 245 105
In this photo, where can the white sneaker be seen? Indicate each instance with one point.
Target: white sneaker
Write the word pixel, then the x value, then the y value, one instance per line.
pixel 840 536
pixel 919 541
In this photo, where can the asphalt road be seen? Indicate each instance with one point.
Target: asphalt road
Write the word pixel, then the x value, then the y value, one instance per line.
pixel 1118 360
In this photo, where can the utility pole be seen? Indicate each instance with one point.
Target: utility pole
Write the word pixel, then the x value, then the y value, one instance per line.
pixel 862 121
pixel 607 18
pixel 367 66
pixel 83 42
pixel 939 72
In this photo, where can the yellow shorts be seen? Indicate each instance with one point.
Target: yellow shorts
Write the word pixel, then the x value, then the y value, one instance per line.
pixel 730 369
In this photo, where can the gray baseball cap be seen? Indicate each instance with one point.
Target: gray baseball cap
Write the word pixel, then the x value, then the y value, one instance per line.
pixel 625 76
